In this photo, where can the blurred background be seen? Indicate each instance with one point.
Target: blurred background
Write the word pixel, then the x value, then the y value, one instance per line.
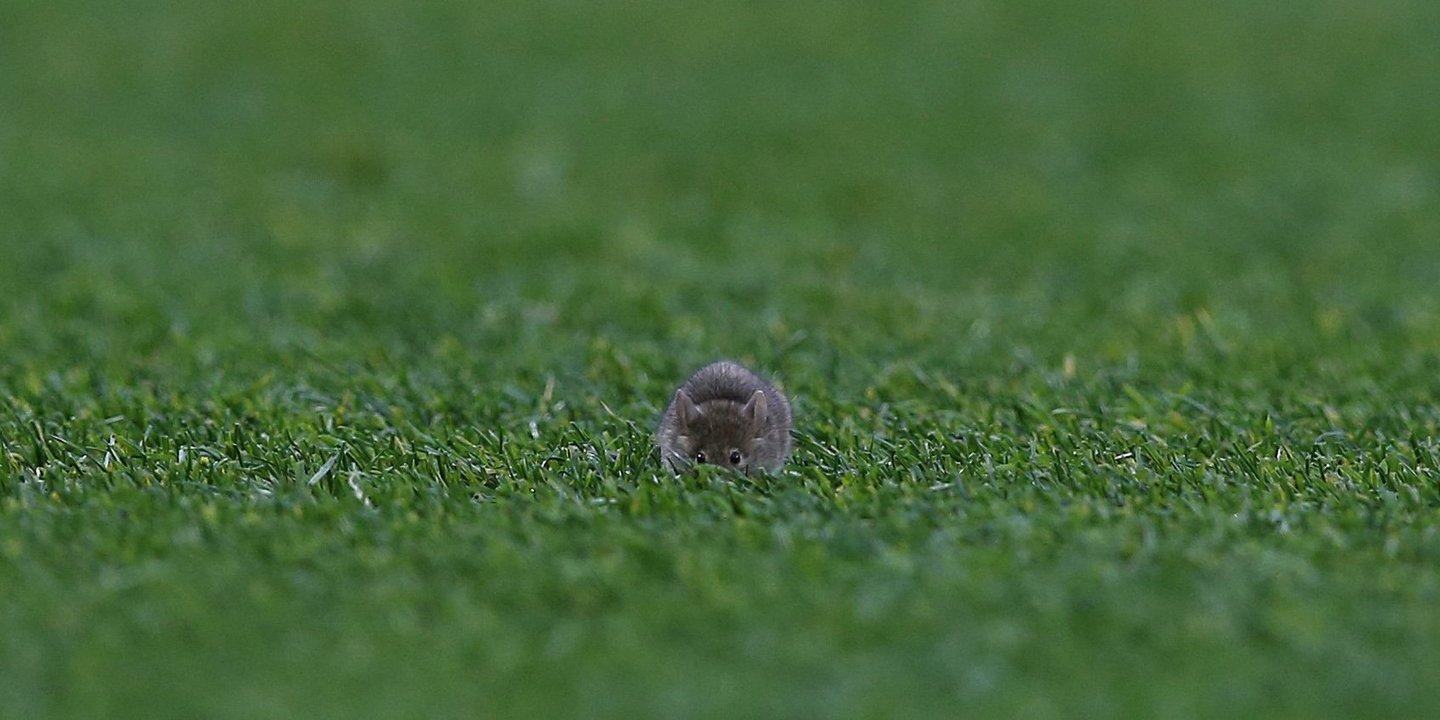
pixel 923 178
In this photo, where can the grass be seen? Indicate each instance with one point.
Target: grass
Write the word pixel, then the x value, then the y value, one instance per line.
pixel 332 337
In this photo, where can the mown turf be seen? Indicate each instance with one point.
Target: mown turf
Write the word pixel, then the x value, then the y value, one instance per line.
pixel 332 335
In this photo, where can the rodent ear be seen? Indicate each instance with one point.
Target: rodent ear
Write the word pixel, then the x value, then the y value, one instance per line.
pixel 685 409
pixel 757 411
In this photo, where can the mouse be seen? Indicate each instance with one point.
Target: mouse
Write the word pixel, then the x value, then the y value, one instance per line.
pixel 725 415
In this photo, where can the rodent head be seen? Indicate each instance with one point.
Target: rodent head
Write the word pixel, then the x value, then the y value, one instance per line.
pixel 719 432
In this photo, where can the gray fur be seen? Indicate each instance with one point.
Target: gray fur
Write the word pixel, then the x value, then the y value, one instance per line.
pixel 721 410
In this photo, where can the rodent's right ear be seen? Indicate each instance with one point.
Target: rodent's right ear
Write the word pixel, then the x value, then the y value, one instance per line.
pixel 757 411
pixel 686 412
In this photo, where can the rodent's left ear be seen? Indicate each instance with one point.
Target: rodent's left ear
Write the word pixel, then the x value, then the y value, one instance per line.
pixel 685 409
pixel 757 410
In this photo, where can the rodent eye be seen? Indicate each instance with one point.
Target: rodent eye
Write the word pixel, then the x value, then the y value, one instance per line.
pixel 700 458
pixel 735 457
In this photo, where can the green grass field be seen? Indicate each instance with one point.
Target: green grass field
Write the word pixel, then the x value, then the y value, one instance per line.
pixel 332 336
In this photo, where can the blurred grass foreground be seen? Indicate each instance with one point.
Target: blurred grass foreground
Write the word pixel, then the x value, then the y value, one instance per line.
pixel 332 336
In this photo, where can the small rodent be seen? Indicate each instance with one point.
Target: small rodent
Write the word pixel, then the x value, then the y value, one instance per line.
pixel 725 415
